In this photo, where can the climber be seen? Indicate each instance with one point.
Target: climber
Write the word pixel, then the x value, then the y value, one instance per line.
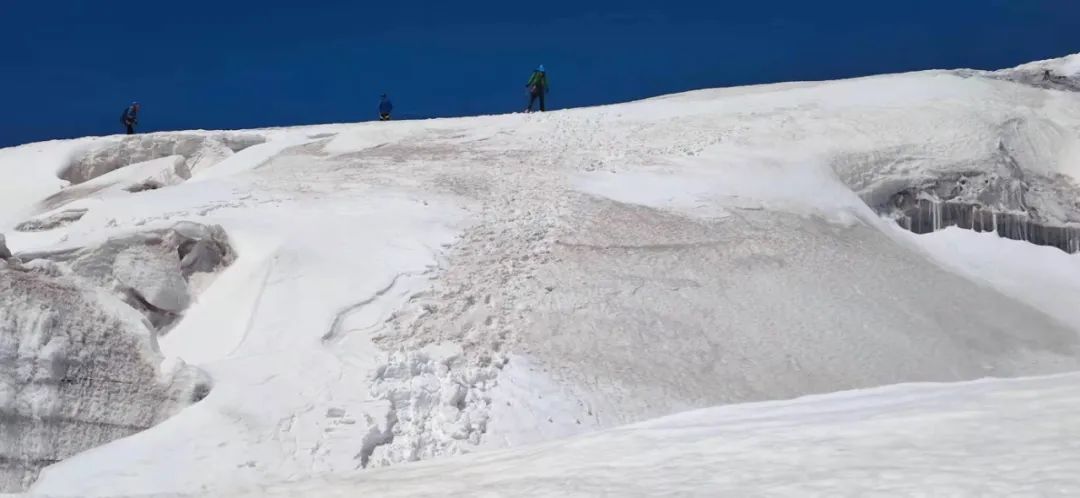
pixel 538 87
pixel 130 117
pixel 385 108
pixel 5 253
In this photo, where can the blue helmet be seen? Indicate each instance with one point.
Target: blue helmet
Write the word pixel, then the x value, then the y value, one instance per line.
pixel 540 68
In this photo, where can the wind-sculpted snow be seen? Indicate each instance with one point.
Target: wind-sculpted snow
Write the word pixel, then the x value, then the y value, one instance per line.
pixel 416 290
pixel 133 178
pixel 1005 200
pixel 1055 74
pixel 149 270
pixel 764 305
pixel 647 312
pixel 78 369
pixel 198 150
pixel 1010 181
pixel 51 221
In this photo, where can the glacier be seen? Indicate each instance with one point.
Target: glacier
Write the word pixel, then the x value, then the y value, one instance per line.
pixel 697 294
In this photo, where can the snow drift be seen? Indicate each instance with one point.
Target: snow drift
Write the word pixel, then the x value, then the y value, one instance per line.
pixel 862 443
pixel 410 290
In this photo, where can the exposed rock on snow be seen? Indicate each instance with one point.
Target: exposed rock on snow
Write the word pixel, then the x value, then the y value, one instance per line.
pixel 149 270
pixel 52 221
pixel 78 369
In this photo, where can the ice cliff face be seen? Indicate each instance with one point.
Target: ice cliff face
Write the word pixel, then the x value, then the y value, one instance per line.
pixel 80 369
pixel 1010 188
pixel 996 196
pixel 78 342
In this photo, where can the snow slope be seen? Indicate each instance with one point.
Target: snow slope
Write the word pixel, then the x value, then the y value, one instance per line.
pixel 984 438
pixel 411 290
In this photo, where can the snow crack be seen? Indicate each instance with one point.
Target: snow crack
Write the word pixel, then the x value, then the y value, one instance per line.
pixel 335 332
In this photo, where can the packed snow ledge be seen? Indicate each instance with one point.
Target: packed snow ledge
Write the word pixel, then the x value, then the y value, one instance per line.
pixel 282 311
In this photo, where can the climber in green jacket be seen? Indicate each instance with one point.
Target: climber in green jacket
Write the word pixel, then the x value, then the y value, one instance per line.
pixel 538 87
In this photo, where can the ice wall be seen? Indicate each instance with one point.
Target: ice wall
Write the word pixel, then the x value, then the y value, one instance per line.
pixel 926 215
pixel 199 150
pixel 78 368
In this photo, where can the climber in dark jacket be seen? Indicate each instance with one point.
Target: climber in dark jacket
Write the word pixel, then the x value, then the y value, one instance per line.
pixel 385 108
pixel 130 117
pixel 538 87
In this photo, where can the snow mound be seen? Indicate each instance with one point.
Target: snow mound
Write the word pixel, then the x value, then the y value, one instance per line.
pixel 1068 66
pixel 907 440
pixel 1040 276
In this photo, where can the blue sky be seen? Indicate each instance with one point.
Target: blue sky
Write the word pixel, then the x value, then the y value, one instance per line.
pixel 69 67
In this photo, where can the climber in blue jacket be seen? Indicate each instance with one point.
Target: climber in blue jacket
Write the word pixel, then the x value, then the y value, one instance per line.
pixel 385 108
pixel 130 117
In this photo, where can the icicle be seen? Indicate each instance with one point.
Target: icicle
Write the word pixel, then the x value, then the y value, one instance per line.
pixel 928 214
pixel 932 208
pixel 935 213
pixel 939 210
